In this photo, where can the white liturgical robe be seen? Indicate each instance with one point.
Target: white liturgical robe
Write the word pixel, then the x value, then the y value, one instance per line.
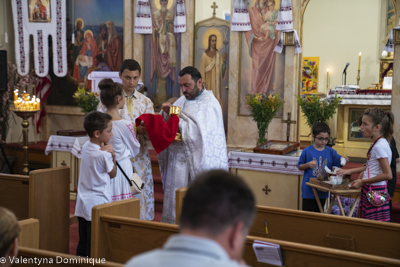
pixel 203 147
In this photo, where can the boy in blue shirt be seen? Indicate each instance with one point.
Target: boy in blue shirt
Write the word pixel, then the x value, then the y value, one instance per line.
pixel 313 161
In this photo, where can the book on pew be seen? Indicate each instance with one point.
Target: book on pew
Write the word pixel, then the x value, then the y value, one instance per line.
pixel 268 252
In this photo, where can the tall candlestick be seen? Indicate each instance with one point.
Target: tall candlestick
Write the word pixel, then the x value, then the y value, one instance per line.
pixel 327 79
pixel 359 60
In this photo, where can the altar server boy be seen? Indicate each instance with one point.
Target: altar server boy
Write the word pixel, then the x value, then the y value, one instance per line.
pixel 97 168
pixel 313 161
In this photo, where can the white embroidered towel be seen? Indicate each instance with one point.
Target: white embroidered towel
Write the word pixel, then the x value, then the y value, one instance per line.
pixel 389 44
pixel 240 17
pixel 285 16
pixel 180 17
pixel 143 17
pixel 56 27
pixel 279 45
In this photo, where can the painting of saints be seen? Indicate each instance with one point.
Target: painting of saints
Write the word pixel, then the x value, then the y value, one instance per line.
pixel 86 58
pixel 40 10
pixel 213 67
pixel 78 33
pixel 102 40
pixel 114 53
pixel 262 70
pixel 261 44
pixel 163 50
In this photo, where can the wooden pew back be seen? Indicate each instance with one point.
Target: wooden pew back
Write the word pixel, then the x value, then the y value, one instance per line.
pixel 129 208
pixel 49 258
pixel 43 195
pixel 180 194
pixel 29 235
pixel 295 254
pixel 128 237
pixel 14 194
pixel 352 234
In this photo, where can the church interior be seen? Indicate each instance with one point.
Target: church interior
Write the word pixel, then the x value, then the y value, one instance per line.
pixel 347 49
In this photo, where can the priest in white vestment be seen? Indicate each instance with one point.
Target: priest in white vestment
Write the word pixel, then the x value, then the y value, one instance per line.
pixel 203 145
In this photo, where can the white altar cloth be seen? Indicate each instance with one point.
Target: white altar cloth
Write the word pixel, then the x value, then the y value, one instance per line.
pixel 72 144
pixel 362 97
pixel 265 162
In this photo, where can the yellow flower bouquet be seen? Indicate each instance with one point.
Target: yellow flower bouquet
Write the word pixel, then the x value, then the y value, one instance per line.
pixel 87 101
pixel 263 108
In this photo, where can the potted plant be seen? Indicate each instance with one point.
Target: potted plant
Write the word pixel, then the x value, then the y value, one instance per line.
pixel 87 101
pixel 263 108
pixel 316 110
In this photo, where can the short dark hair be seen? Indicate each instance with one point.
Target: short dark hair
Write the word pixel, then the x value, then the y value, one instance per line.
pixel 216 200
pixel 192 71
pixel 131 65
pixel 9 230
pixel 320 127
pixel 103 26
pixel 96 121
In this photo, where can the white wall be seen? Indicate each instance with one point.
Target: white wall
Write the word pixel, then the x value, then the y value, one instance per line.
pixel 204 11
pixel 336 31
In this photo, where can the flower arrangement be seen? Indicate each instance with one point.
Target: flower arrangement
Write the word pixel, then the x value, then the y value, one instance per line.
pixel 87 101
pixel 347 203
pixel 263 108
pixel 317 110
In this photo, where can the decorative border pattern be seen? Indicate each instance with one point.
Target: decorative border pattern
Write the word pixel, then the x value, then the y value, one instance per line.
pixel 40 51
pixel 21 35
pixel 59 36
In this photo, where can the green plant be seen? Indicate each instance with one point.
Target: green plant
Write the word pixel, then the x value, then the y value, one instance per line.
pixel 263 108
pixel 87 101
pixel 317 110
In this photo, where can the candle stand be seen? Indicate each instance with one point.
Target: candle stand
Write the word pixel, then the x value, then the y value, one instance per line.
pixel 358 78
pixel 25 115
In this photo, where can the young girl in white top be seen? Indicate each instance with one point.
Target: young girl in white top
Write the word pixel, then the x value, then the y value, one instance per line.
pixel 123 140
pixel 377 125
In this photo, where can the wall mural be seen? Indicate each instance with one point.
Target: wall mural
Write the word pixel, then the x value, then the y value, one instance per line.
pixel 162 54
pixel 97 29
pixel 261 69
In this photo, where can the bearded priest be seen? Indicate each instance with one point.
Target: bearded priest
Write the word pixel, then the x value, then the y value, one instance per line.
pixel 203 145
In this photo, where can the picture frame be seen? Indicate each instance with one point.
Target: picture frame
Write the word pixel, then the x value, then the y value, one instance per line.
pixel 354 130
pixel 39 11
pixel 276 147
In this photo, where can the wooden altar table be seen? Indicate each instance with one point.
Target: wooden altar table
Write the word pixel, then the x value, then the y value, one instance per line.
pixel 275 180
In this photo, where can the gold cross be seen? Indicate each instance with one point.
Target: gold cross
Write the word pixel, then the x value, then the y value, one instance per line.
pixel 214 6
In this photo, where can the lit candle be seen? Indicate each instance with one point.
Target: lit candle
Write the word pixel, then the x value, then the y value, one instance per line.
pixel 327 79
pixel 359 60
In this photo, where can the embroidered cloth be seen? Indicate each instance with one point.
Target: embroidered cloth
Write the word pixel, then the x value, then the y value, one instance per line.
pixel 180 17
pixel 279 45
pixel 285 16
pixel 40 21
pixel 389 44
pixel 143 17
pixel 240 17
pixel 72 144
pixel 362 97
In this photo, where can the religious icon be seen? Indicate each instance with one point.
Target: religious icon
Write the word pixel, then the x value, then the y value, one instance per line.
pixel 309 78
pixel 162 58
pixel 261 69
pixel 212 58
pixel 39 11
pixel 94 42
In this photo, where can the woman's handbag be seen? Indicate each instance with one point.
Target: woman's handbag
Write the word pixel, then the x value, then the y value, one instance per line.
pixel 135 182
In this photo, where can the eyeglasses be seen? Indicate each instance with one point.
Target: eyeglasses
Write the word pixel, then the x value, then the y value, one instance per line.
pixel 322 139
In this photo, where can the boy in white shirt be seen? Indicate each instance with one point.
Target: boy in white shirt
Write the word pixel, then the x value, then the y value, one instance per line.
pixel 97 169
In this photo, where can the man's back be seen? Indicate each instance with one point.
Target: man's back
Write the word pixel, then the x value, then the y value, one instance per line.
pixel 184 250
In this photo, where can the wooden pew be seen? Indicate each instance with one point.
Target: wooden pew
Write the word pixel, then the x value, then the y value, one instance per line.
pixel 128 237
pixel 129 208
pixel 325 230
pixel 49 258
pixel 179 195
pixel 43 195
pixel 295 254
pixel 29 235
